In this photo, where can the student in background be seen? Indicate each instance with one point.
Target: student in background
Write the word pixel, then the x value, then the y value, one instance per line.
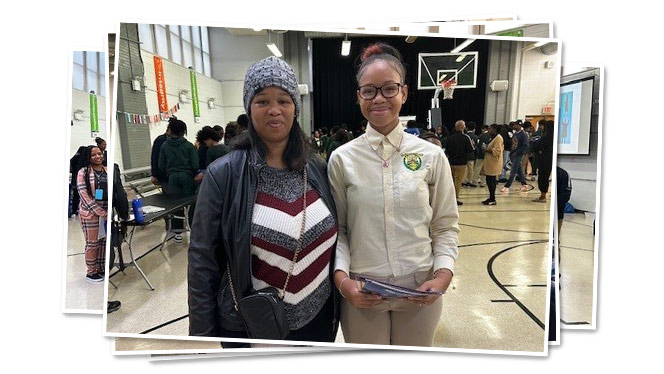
pixel 178 159
pixel 101 143
pixel 211 140
pixel 92 185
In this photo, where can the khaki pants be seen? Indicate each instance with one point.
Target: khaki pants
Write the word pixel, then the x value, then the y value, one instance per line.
pixel 478 167
pixel 458 173
pixel 470 170
pixel 393 322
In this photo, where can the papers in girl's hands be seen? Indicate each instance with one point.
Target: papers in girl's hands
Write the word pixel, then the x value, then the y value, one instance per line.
pixel 102 228
pixel 388 290
pixel 151 209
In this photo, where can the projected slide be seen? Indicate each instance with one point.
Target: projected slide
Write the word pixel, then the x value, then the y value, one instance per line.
pixel 575 109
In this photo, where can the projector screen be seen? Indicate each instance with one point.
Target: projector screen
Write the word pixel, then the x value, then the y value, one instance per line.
pixel 575 108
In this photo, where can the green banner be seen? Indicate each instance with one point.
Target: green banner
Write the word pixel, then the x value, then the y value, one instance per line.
pixel 194 93
pixel 94 118
pixel 511 33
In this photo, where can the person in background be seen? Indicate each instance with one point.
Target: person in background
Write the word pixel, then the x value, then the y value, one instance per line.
pixel 519 148
pixel 231 132
pixel 506 134
pixel 242 123
pixel 493 162
pixel 362 130
pixel 316 142
pixel 101 143
pixel 482 141
pixel 442 134
pixel 178 159
pixel 411 127
pixel 528 159
pixel 470 164
pixel 219 130
pixel 92 185
pixel 75 164
pixel 211 139
pixel 431 138
pixel 159 178
pixel 398 221
pixel 459 146
pixel 543 149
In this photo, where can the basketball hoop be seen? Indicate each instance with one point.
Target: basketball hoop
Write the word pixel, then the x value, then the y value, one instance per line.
pixel 448 88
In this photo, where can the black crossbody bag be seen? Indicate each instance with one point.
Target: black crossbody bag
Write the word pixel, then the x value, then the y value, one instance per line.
pixel 263 312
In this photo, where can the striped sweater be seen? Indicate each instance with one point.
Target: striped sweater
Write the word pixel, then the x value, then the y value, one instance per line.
pixel 275 229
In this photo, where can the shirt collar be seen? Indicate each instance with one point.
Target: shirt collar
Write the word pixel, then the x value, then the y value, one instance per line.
pixel 375 138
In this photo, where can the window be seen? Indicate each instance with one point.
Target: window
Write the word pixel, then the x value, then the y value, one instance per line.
pixel 161 38
pixel 145 37
pixel 88 73
pixel 184 45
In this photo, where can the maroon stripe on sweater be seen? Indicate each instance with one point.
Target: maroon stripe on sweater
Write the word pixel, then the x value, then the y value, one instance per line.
pixel 293 208
pixel 277 277
pixel 288 254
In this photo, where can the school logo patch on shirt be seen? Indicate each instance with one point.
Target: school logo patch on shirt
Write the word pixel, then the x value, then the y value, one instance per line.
pixel 412 161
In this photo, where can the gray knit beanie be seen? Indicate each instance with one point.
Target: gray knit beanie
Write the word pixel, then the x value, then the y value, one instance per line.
pixel 271 71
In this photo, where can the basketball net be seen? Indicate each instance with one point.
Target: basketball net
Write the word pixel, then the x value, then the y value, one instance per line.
pixel 448 88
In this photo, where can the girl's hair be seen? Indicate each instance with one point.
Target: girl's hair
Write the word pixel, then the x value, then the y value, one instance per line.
pixel 382 52
pixel 99 140
pixel 295 155
pixel 205 133
pixel 178 127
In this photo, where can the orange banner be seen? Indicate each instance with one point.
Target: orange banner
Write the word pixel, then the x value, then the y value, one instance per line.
pixel 161 84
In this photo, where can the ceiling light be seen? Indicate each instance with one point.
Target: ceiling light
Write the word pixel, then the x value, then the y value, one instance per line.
pixel 273 48
pixel 462 45
pixel 461 57
pixel 345 48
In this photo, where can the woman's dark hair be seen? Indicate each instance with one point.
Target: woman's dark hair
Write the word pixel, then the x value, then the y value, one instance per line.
pixel 548 129
pixel 297 149
pixel 206 133
pixel 243 121
pixel 383 52
pixel 411 123
pixel 99 140
pixel 218 129
pixel 231 131
pixel 178 127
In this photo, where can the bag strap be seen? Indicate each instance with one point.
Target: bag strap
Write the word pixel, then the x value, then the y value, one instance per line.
pixel 282 293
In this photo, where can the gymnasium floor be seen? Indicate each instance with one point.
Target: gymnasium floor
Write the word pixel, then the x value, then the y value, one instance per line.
pixel 81 295
pixel 497 299
pixel 577 255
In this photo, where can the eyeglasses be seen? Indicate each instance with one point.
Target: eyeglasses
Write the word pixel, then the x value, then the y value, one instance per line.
pixel 389 90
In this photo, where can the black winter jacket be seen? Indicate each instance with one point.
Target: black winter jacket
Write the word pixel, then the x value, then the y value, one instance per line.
pixel 221 233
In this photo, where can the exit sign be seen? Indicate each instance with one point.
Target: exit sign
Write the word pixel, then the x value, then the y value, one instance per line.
pixel 547 109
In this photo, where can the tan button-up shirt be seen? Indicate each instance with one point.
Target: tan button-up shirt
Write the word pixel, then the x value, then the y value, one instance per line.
pixel 396 205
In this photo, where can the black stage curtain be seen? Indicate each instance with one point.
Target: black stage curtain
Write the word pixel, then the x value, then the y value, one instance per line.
pixel 334 95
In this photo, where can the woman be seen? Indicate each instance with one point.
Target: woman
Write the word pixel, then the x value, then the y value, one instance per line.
pixel 249 218
pixel 493 162
pixel 397 214
pixel 92 184
pixel 178 159
pixel 543 148
pixel 101 143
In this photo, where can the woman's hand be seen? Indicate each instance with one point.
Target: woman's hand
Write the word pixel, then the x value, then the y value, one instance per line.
pixel 440 282
pixel 350 289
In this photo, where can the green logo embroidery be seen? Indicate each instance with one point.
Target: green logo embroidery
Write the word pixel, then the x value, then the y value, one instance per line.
pixel 412 161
